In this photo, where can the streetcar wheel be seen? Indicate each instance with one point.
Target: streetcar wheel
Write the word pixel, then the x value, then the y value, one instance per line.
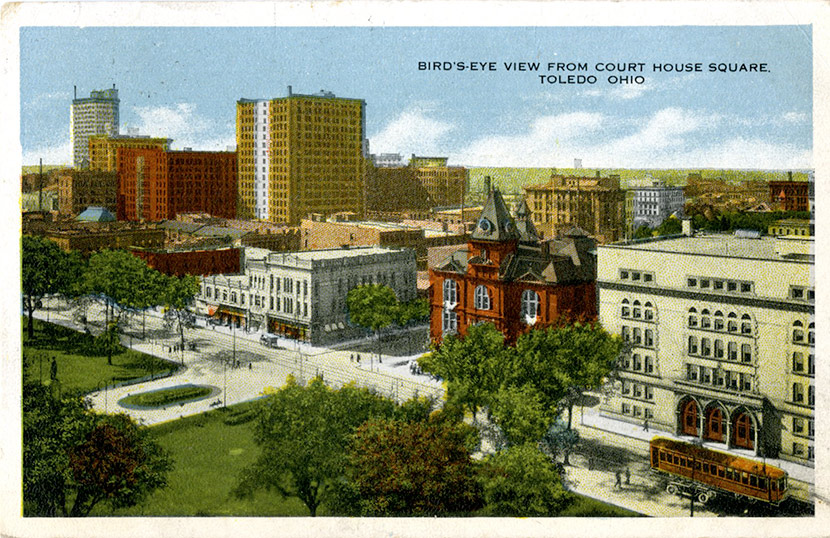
pixel 671 489
pixel 703 497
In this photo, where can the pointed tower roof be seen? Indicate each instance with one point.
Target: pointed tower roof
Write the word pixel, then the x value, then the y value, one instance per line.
pixel 495 222
pixel 524 224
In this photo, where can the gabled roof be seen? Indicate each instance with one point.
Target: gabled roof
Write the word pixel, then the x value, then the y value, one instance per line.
pixel 96 214
pixel 527 231
pixel 495 222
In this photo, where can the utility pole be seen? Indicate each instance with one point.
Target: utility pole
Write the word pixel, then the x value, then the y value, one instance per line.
pixel 40 187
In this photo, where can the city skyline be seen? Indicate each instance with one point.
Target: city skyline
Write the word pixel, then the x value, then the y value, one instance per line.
pixel 183 83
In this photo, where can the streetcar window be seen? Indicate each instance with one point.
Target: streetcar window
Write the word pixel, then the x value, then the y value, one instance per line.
pixel 762 483
pixel 721 472
pixel 729 475
pixel 753 481
pixel 774 485
pixel 676 459
pixel 662 456
pixel 706 468
pixel 697 466
pixel 783 484
pixel 744 478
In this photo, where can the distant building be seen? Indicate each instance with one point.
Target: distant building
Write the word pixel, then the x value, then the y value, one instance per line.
pixel 387 160
pixel 509 277
pixel 300 154
pixel 303 294
pixel 155 185
pixel 795 227
pixel 103 149
pixel 93 236
pixel 426 182
pixel 594 204
pixel 93 115
pixel 191 260
pixel 790 195
pixel 721 330
pixel 654 204
pixel 319 234
pixel 79 189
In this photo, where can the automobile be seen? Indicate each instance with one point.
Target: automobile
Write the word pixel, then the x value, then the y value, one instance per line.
pixel 270 340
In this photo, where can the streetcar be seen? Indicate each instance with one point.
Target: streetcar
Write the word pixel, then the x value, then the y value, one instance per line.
pixel 704 473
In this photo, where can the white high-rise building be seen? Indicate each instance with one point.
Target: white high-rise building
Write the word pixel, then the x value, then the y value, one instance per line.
pixel 93 115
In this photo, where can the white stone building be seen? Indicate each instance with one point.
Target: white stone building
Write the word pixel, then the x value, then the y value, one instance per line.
pixel 93 115
pixel 303 294
pixel 656 203
pixel 721 330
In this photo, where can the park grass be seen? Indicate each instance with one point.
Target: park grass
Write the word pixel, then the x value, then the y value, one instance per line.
pixel 583 506
pixel 209 452
pixel 78 371
pixel 158 398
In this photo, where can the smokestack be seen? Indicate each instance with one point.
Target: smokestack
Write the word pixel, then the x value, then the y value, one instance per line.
pixel 289 90
pixel 76 91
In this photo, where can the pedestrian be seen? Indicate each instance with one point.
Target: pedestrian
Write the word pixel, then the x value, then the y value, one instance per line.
pixel 645 425
pixel 250 366
pixel 351 357
pixel 358 358
pixel 53 370
pixel 618 483
pixel 627 476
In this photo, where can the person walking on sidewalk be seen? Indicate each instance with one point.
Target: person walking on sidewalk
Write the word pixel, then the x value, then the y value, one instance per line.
pixel 627 476
pixel 618 476
pixel 645 425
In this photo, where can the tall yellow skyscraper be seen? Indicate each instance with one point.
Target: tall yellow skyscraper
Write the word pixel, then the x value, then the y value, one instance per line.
pixel 300 154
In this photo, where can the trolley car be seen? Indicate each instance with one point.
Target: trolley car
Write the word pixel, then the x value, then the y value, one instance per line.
pixel 705 473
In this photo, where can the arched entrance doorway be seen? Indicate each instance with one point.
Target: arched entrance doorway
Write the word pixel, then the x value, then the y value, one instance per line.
pixel 743 431
pixel 715 425
pixel 688 418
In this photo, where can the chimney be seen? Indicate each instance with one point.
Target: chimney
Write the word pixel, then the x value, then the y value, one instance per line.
pixel 289 90
pixel 790 175
pixel 76 91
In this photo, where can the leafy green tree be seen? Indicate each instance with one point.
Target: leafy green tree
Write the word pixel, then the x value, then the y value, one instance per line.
pixel 45 270
pixel 642 232
pixel 372 306
pixel 560 438
pixel 73 459
pixel 413 469
pixel 473 366
pixel 522 482
pixel 521 414
pixel 303 434
pixel 177 294
pixel 669 226
pixel 564 361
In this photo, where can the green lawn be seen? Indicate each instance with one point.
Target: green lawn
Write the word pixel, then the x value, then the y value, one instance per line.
pixel 76 369
pixel 209 451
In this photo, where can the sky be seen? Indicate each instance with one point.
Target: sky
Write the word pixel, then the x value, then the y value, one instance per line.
pixel 183 83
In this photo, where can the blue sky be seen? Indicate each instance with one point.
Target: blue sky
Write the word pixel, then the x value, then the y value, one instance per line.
pixel 184 83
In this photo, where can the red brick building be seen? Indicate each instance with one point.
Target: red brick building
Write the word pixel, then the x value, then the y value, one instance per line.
pixel 509 277
pixel 214 261
pixel 155 185
pixel 790 195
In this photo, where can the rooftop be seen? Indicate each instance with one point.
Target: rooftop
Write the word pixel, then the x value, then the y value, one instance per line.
pixel 726 245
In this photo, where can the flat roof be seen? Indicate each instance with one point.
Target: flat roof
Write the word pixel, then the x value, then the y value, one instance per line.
pixel 332 253
pixel 725 245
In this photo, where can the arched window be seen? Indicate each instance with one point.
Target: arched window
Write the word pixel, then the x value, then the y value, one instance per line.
pixel 705 320
pixel 811 334
pixel 693 317
pixel 626 309
pixel 798 332
pixel 732 322
pixel 450 292
pixel 746 324
pixel 637 311
pixel 530 306
pixel 648 311
pixel 482 298
pixel 718 320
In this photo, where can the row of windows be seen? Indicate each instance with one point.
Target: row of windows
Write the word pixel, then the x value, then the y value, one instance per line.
pixel 804 426
pixel 636 310
pixel 716 321
pixel 798 450
pixel 638 336
pixel 636 411
pixel 802 293
pixel 727 473
pixel 798 394
pixel 636 363
pixel 482 301
pixel 802 367
pixel 636 276
pixel 800 337
pixel 720 284
pixel 706 347
pixel 720 378
pixel 636 390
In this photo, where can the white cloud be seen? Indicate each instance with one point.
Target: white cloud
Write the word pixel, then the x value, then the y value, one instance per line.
pixel 185 126
pixel 670 138
pixel 796 117
pixel 413 131
pixel 60 153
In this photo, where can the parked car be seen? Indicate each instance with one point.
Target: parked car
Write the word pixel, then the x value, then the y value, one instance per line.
pixel 270 340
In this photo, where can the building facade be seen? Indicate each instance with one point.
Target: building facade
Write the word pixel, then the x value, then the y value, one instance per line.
pixel 79 189
pixel 103 149
pixel 654 204
pixel 790 195
pixel 155 185
pixel 300 154
pixel 191 261
pixel 509 277
pixel 92 237
pixel 721 335
pixel 594 204
pixel 303 294
pixel 93 115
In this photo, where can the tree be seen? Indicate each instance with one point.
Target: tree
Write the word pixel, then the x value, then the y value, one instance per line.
pixel 560 437
pixel 520 413
pixel 303 434
pixel 46 269
pixel 177 295
pixel 413 469
pixel 73 459
pixel 372 306
pixel 642 232
pixel 669 226
pixel 522 482
pixel 564 361
pixel 473 366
